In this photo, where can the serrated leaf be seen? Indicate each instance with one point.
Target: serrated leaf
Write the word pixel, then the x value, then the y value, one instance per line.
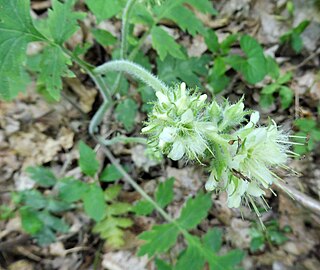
pixel 143 208
pixel 270 89
pixel 165 44
pixel 194 211
pixel 71 190
pixel 212 41
pixel 17 31
pixel 285 78
pixel 186 20
pixel 62 21
pixel 159 239
pixel 205 6
pixel 126 112
pixel 190 259
pixel 189 71
pixel 286 97
pixel 164 193
pixel 112 192
pixel 105 9
pixel 104 37
pixel 56 206
pixel 54 223
pixel 34 199
pixel 45 236
pixel 266 100
pixel 162 265
pixel 110 174
pixel 227 261
pixel 42 176
pixel 88 163
pixel 217 78
pixel 213 239
pixel 119 208
pixel 94 203
pixel 30 221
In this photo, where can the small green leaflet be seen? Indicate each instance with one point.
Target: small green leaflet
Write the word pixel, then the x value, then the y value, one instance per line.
pixel 217 78
pixel 105 9
pixel 205 6
pixel 30 221
pixel 159 239
pixel 143 208
pixel 254 67
pixel 94 203
pixel 190 259
pixel 164 193
pixel 126 112
pixel 110 174
pixel 194 211
pixel 88 163
pixel 162 265
pixel 43 176
pixel 71 190
pixel 165 44
pixel 62 21
pixel 189 70
pixel 17 31
pixel 213 239
pixel 186 20
pixel 104 37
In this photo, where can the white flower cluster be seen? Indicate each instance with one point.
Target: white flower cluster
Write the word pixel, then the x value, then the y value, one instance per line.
pixel 240 154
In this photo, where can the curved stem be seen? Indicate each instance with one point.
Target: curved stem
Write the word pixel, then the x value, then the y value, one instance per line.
pixel 132 69
pixel 125 28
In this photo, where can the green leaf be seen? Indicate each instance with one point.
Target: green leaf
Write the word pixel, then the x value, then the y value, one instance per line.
pixel 112 192
pixel 191 258
pixel 30 221
pixel 164 193
pixel 88 163
pixel 186 20
pixel 204 6
pixel 45 236
pixel 110 174
pixel 17 31
pixel 213 239
pixel 189 71
pixel 159 239
pixel 105 9
pixel 194 211
pixel 71 190
pixel 227 43
pixel 266 100
pixel 257 243
pixel 126 112
pixel 296 42
pixel 162 265
pixel 217 78
pixel 212 41
pixel 34 199
pixel 143 208
pixel 285 78
pixel 270 89
pixel 165 44
pixel 42 176
pixel 229 260
pixel 305 124
pixel 53 222
pixel 94 203
pixel 286 97
pixel 54 65
pixel 62 21
pixel 273 68
pixel 147 96
pixel 299 29
pixel 104 37
pixel 56 206
pixel 254 67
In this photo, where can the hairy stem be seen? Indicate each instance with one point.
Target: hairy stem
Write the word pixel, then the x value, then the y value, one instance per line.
pixel 132 69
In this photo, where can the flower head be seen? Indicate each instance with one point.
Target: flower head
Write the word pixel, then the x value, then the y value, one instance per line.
pixel 175 126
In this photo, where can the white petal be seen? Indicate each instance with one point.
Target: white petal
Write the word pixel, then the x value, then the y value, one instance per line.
pixel 234 201
pixel 254 118
pixel 177 151
pixel 162 98
pixel 168 134
pixel 183 87
pixel 187 116
pixel 254 190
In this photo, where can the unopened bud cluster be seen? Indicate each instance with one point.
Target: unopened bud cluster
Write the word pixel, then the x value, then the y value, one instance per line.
pixel 240 154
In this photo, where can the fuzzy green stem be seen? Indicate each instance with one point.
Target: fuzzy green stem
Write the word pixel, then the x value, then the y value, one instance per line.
pixel 124 140
pixel 132 69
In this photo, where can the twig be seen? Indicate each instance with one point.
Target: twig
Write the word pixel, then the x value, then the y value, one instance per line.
pixel 305 61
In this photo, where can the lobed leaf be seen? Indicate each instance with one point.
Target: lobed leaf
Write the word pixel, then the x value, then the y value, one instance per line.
pixel 88 163
pixel 42 176
pixel 164 193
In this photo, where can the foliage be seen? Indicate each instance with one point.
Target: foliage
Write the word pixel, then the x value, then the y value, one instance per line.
pixel 293 37
pixel 310 130
pixel 272 234
pixel 278 86
pixel 111 226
